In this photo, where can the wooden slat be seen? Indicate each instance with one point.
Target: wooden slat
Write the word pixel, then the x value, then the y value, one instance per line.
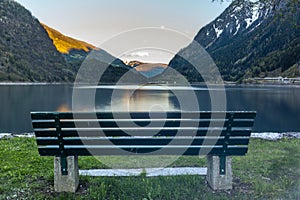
pixel 244 123
pixel 45 133
pixel 112 124
pixel 142 141
pixel 244 115
pixel 169 150
pixel 42 115
pixel 43 124
pixel 158 125
pixel 145 132
pixel 143 115
pixel 140 124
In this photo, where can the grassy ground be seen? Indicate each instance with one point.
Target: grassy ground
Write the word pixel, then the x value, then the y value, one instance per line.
pixel 270 170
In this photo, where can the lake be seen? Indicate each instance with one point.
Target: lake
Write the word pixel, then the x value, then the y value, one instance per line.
pixel 278 107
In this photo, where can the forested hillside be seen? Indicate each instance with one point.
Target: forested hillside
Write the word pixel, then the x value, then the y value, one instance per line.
pixel 250 39
pixel 26 51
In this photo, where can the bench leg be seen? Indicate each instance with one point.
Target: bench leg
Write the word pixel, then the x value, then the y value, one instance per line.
pixel 66 183
pixel 214 179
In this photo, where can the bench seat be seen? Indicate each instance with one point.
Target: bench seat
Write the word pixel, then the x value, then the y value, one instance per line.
pixel 219 135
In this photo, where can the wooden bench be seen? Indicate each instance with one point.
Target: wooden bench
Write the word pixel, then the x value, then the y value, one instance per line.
pixel 218 135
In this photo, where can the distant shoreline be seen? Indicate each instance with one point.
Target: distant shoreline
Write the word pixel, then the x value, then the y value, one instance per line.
pixel 195 84
pixel 262 135
pixel 33 83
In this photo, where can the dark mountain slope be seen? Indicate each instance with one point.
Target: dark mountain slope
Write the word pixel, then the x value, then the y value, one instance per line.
pixel 75 53
pixel 249 39
pixel 26 52
pixel 31 52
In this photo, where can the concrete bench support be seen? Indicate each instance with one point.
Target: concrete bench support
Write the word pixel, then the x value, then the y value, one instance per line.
pixel 214 179
pixel 66 183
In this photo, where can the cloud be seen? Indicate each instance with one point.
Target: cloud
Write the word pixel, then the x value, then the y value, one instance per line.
pixel 138 54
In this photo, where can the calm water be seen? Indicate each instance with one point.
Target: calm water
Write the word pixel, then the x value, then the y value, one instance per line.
pixel 278 108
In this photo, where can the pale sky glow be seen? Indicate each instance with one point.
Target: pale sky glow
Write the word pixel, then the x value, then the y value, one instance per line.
pixel 95 21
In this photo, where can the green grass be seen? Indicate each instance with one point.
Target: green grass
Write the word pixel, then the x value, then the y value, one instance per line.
pixel 270 170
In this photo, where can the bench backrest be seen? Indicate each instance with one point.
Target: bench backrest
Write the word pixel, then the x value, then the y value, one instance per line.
pixel 155 133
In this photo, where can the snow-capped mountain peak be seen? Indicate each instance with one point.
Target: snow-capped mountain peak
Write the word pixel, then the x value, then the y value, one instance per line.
pixel 239 17
pixel 249 39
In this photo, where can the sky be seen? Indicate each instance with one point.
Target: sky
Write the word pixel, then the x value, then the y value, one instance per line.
pixel 97 21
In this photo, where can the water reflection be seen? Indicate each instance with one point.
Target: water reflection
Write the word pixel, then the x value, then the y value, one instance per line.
pixel 135 100
pixel 17 101
pixel 277 107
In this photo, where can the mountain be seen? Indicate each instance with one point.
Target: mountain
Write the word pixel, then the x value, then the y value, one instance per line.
pixel 26 52
pixel 70 48
pixel 149 70
pixel 249 39
pixel 134 63
pixel 33 52
pixel 78 53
